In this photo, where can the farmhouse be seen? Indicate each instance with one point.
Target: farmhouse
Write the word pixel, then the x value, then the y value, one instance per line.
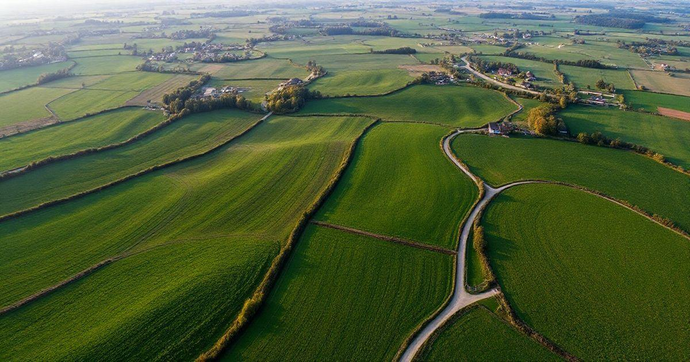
pixel 504 72
pixel 210 92
pixel 290 82
pixel 529 76
pixel 500 128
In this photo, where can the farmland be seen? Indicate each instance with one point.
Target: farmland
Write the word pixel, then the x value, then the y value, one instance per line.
pixel 620 276
pixel 621 174
pixel 453 106
pixel 667 136
pixel 480 335
pixel 401 185
pixel 365 181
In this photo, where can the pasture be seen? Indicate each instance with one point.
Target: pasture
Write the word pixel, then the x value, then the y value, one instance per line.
pixel 204 228
pixel 106 65
pixel 621 174
pixel 20 77
pixel 598 280
pixel 88 101
pixel 457 106
pixel 401 184
pixel 361 82
pixel 649 101
pixel 339 298
pixel 479 335
pixel 95 131
pixel 256 69
pixel 27 104
pixel 667 136
pixel 586 78
pixel 662 82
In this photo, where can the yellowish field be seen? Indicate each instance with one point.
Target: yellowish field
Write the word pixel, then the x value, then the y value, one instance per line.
pixel 156 93
pixel 662 82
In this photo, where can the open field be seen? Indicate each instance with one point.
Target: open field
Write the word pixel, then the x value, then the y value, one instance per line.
pixel 662 82
pixel 586 78
pixel 206 222
pixel 96 131
pixel 650 102
pixel 451 105
pixel 607 53
pixel 184 137
pixel 27 104
pixel 479 335
pixel 134 81
pixel 400 184
pixel 667 136
pixel 88 101
pixel 155 94
pixel 362 82
pixel 20 77
pixel 340 298
pixel 260 68
pixel 598 280
pixel 106 65
pixel 621 174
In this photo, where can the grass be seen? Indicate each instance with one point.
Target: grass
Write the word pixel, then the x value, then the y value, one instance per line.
pixel 199 230
pixel 585 78
pixel 20 77
pixel 339 298
pixel 650 101
pixel 27 104
pixel 260 68
pixel 479 335
pixel 667 136
pixel 106 65
pixel 662 82
pixel 621 174
pixel 401 184
pixel 96 131
pixel 527 104
pixel 361 82
pixel 134 81
pixel 88 101
pixel 463 106
pixel 598 280
pixel 155 94
pixel 190 135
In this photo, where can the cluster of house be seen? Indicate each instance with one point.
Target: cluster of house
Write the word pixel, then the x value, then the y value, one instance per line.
pixel 598 98
pixel 290 82
pixel 164 57
pixel 501 128
pixel 440 78
pixel 212 92
pixel 36 58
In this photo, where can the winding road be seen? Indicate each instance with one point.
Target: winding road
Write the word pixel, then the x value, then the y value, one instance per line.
pixel 496 82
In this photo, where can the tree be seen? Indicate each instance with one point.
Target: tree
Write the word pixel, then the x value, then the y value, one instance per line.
pixel 563 102
pixel 600 84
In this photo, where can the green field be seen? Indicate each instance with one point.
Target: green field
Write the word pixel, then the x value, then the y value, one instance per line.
pixel 20 77
pixel 106 65
pixel 187 136
pixel 620 174
pixel 96 131
pixel 260 68
pixel 667 136
pixel 28 104
pixel 345 297
pixel 661 82
pixel 598 280
pixel 203 229
pixel 361 82
pixel 450 105
pixel 479 335
pixel 527 104
pixel 650 101
pixel 134 81
pixel 88 101
pixel 401 184
pixel 586 78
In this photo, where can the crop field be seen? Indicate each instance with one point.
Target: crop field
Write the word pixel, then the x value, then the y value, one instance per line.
pixel 607 53
pixel 134 81
pixel 662 82
pixel 401 184
pixel 20 77
pixel 479 335
pixel 156 93
pixel 449 105
pixel 257 69
pixel 588 77
pixel 598 280
pixel 650 101
pixel 620 174
pixel 27 104
pixel 667 136
pixel 95 131
pixel 184 137
pixel 232 244
pixel 362 82
pixel 106 65
pixel 88 101
pixel 339 298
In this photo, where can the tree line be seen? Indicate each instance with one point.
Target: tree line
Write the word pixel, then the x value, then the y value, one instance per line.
pixel 401 50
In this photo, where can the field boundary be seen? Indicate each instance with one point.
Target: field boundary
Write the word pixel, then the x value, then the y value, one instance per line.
pixel 253 304
pixel 410 243
pixel 131 176
pixel 36 84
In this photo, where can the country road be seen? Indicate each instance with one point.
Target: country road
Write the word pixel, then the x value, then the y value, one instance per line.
pixel 494 81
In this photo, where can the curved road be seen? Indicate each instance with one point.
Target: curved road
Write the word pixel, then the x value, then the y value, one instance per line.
pixel 494 81
pixel 461 297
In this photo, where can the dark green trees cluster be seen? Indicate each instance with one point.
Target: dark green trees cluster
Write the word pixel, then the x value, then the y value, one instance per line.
pixel 176 100
pixel 488 66
pixel 287 99
pixel 402 50
pixel 49 77
pixel 542 120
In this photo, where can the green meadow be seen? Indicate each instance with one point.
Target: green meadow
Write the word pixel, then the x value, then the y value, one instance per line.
pixel 111 64
pixel 362 82
pixel 668 136
pixel 91 132
pixel 586 78
pixel 28 104
pixel 598 280
pixel 260 68
pixel 479 335
pixel 462 106
pixel 20 77
pixel 621 174
pixel 649 101
pixel 203 229
pixel 88 101
pixel 340 297
pixel 401 184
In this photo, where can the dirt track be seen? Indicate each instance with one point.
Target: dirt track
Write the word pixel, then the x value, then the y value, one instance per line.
pixel 668 112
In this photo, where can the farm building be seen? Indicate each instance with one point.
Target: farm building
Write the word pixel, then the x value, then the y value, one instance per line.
pixel 500 128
